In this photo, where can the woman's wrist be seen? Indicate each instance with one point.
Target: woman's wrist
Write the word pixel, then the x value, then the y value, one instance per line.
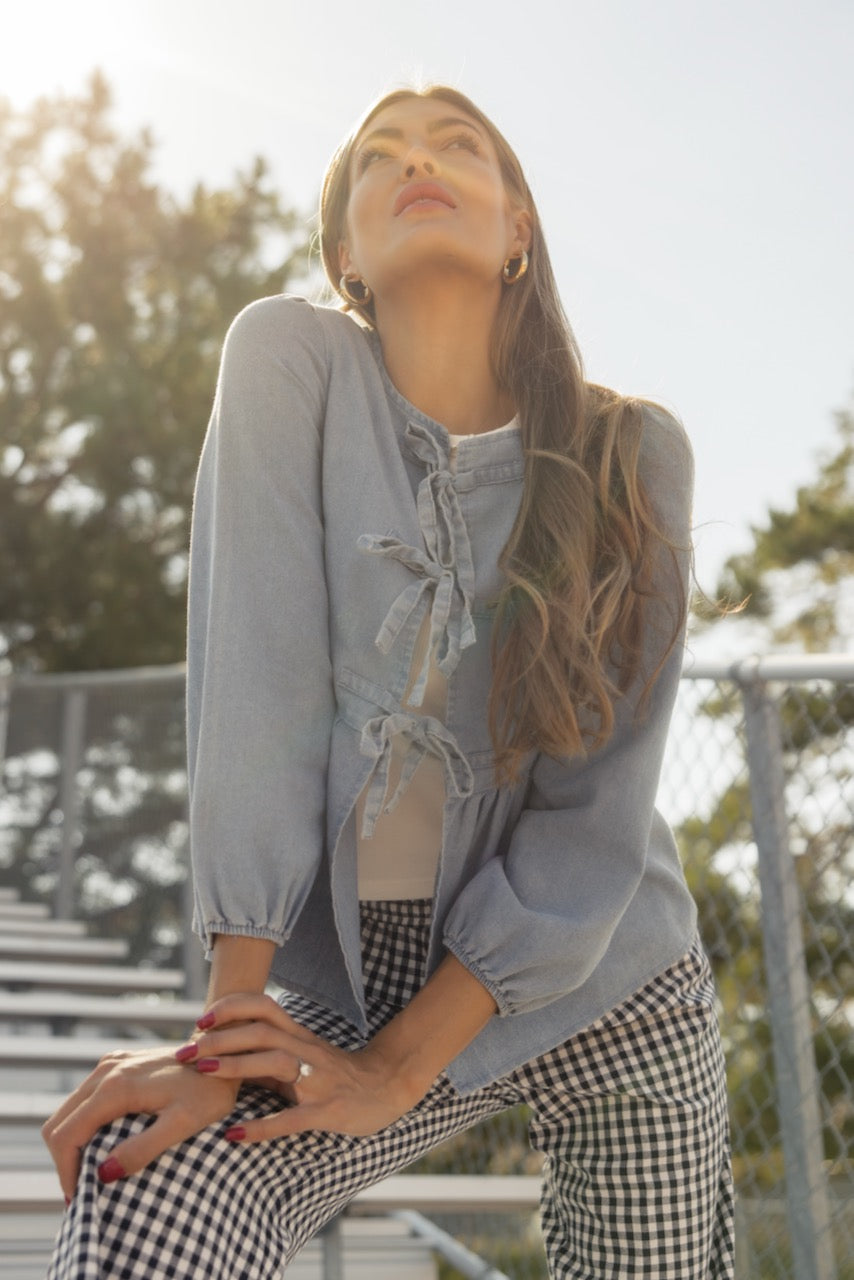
pixel 402 1077
pixel 239 964
pixel 411 1050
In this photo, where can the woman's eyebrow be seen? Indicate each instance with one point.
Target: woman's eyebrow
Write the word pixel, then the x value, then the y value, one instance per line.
pixel 448 122
pixel 383 132
pixel 435 126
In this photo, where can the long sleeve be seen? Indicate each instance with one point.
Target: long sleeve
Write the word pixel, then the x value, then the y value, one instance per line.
pixel 581 846
pixel 259 689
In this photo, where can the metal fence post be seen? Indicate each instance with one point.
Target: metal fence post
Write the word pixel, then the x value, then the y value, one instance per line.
pixel 73 730
pixel 788 989
pixel 5 700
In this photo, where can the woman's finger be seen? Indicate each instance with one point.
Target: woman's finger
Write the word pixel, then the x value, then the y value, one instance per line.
pixel 66 1159
pixel 293 1119
pixel 326 1116
pixel 275 1086
pixel 279 1064
pixel 68 1137
pixel 149 1083
pixel 79 1117
pixel 241 1038
pixel 175 1123
pixel 249 1008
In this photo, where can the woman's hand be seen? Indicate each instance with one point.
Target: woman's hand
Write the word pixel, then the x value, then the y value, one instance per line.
pixel 252 1038
pixel 147 1081
pixel 249 1037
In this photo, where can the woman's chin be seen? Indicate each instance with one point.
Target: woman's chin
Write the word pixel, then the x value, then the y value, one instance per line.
pixel 439 270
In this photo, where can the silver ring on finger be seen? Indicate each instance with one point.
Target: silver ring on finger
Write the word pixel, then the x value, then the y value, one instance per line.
pixel 305 1069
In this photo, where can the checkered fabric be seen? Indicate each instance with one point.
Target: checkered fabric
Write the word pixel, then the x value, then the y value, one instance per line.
pixel 630 1116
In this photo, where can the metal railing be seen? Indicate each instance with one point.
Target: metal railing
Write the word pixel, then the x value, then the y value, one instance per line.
pixel 758 785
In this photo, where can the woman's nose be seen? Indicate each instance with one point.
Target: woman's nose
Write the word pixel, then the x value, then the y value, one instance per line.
pixel 418 161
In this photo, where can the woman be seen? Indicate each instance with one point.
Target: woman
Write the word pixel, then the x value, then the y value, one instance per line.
pixel 437 596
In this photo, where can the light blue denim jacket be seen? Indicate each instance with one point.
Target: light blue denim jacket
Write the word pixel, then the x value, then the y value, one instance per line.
pixel 327 523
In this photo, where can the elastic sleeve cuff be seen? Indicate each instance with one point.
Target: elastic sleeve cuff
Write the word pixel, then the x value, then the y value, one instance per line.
pixel 453 946
pixel 209 928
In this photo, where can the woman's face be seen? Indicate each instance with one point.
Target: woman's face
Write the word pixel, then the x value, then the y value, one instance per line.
pixel 426 193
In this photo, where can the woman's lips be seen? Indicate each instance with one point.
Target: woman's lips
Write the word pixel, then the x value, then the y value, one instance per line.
pixel 418 192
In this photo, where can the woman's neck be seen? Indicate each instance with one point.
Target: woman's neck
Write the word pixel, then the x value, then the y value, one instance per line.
pixel 438 357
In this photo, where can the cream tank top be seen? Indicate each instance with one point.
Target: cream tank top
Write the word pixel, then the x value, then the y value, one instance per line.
pixel 400 860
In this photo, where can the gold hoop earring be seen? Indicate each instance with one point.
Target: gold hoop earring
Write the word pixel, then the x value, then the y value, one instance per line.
pixel 345 287
pixel 513 274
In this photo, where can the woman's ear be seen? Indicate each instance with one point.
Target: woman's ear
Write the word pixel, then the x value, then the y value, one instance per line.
pixel 345 262
pixel 524 230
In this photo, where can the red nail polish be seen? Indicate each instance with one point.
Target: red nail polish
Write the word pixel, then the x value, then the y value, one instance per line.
pixel 207 1064
pixel 186 1053
pixel 111 1170
pixel 205 1021
pixel 235 1133
pixel 67 1201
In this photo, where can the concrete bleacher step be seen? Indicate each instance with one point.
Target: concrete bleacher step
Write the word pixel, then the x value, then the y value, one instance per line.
pixel 28 1107
pixel 451 1193
pixel 41 948
pixel 22 1150
pixel 28 928
pixel 88 977
pixel 24 911
pixel 113 1011
pixel 34 918
pixel 62 1051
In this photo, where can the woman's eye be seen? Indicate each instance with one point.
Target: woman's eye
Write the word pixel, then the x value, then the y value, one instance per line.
pixel 465 140
pixel 368 156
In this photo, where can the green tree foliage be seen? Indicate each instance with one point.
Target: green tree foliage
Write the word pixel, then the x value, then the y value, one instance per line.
pixel 798 577
pixel 114 300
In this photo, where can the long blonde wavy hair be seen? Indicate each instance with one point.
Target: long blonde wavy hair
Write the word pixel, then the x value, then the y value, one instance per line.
pixel 578 565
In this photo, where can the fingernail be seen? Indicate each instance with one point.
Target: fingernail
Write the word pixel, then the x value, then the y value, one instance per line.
pixel 67 1201
pixel 205 1021
pixel 189 1051
pixel 235 1133
pixel 111 1170
pixel 207 1064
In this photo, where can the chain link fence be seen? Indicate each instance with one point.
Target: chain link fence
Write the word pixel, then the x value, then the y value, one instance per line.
pixel 759 787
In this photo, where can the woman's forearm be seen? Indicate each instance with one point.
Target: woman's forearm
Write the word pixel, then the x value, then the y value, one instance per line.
pixel 239 964
pixel 437 1024
pixel 405 1057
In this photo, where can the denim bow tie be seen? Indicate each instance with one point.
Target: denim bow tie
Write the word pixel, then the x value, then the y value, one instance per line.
pixel 444 568
pixel 424 736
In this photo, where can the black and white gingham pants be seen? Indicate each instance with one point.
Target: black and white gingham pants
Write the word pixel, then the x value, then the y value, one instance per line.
pixel 630 1115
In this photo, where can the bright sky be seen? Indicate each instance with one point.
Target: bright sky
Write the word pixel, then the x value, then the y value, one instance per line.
pixel 692 163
